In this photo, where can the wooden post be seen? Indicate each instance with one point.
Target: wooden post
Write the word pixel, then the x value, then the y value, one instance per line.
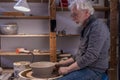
pixel 53 56
pixel 106 4
pixel 114 39
pixel 0 51
pixel 52 9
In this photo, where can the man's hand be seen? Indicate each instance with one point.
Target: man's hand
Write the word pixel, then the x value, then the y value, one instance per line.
pixel 64 70
pixel 65 62
pixel 57 67
pixel 59 64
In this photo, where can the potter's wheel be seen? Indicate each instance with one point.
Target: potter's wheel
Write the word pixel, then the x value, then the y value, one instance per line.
pixel 27 75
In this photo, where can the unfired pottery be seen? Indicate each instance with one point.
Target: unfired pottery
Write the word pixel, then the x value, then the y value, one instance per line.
pixel 42 69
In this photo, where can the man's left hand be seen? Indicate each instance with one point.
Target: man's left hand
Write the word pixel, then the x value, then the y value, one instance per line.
pixel 64 70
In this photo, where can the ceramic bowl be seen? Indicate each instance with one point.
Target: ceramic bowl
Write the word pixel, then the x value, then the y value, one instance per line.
pixel 42 69
pixel 9 29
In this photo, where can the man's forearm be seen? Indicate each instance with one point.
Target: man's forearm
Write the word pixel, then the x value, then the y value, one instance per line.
pixel 73 67
pixel 68 61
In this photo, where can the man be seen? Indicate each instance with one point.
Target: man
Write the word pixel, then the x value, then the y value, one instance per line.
pixel 91 60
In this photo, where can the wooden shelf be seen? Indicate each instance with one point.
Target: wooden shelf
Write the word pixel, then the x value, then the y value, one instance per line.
pixel 101 8
pixel 97 8
pixel 27 1
pixel 68 35
pixel 38 35
pixel 24 17
pixel 22 35
pixel 62 9
pixel 15 54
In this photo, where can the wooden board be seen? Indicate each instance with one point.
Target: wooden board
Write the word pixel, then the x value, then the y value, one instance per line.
pixel 27 0
pixel 114 34
pixel 53 56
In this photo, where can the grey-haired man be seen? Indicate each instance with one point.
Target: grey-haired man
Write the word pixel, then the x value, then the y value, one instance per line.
pixel 91 60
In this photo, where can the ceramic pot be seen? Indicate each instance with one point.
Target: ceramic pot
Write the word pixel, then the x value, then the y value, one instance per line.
pixel 20 66
pixel 42 69
pixel 9 29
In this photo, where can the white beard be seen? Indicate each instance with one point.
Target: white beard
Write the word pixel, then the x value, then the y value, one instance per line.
pixel 78 24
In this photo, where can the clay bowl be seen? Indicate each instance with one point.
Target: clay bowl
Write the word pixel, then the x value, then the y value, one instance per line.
pixel 9 29
pixel 42 69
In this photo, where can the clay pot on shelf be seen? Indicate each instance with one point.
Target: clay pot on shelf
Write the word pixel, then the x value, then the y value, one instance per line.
pixel 8 29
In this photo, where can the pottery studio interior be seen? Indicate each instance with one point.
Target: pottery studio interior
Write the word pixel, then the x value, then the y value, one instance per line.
pixel 59 39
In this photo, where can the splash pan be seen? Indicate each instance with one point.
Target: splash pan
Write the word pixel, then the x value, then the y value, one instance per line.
pixel 28 75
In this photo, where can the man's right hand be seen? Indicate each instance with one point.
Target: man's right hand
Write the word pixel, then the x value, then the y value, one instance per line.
pixel 58 65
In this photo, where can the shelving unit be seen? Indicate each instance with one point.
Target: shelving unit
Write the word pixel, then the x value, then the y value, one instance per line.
pixel 51 35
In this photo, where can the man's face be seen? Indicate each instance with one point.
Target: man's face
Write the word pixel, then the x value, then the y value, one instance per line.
pixel 78 15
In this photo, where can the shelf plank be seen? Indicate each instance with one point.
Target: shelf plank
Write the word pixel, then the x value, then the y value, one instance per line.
pixel 15 54
pixel 22 35
pixel 25 17
pixel 97 8
pixel 101 8
pixel 41 35
pixel 68 35
pixel 27 1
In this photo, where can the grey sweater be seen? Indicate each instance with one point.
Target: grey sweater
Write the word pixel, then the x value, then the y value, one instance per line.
pixel 94 45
